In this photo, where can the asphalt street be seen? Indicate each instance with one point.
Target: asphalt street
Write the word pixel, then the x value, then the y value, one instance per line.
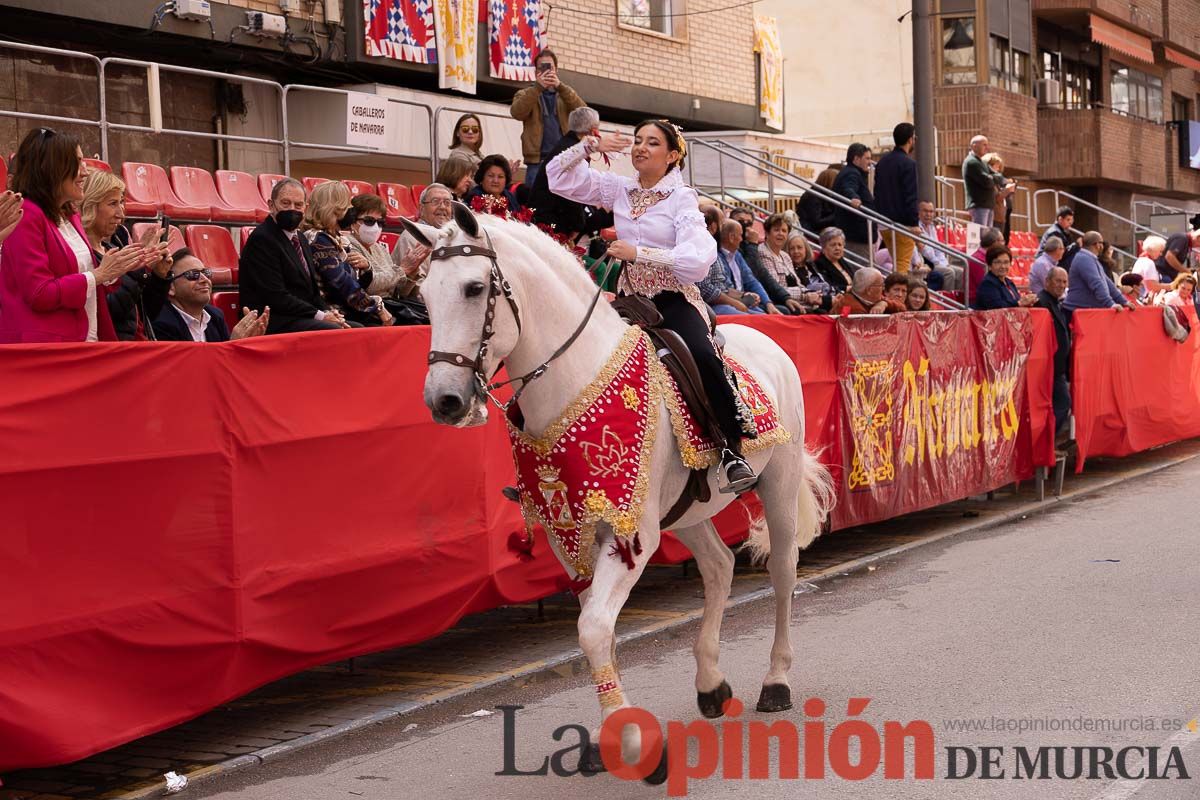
pixel 1079 623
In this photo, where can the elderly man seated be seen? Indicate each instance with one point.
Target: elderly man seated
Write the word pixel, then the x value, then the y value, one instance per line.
pixel 865 295
pixel 436 210
pixel 1052 253
pixel 731 287
pixel 189 315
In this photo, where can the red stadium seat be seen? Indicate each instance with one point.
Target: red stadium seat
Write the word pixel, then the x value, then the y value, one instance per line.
pixel 213 245
pixel 174 236
pixel 245 234
pixel 388 239
pixel 312 183
pixel 359 187
pixel 195 186
pixel 417 188
pixel 230 304
pixel 94 164
pixel 239 190
pixel 266 182
pixel 399 201
pixel 223 277
pixel 147 187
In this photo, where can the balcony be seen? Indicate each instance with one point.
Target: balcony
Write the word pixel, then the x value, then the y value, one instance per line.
pixel 1146 18
pixel 1096 147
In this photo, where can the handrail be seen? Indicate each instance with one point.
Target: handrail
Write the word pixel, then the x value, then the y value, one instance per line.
pixel 954 183
pixel 56 51
pixel 153 68
pixel 838 200
pixel 1153 204
pixel 288 144
pixel 1079 201
pixel 853 258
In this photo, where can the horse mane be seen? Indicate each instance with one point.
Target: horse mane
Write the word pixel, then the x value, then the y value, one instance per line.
pixel 548 255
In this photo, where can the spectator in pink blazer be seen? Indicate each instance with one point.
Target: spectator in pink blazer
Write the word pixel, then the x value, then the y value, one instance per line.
pixel 51 289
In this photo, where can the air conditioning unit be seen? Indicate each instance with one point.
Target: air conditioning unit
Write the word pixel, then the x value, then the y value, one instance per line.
pixel 1049 92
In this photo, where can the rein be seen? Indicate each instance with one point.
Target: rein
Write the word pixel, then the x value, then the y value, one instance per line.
pixel 500 286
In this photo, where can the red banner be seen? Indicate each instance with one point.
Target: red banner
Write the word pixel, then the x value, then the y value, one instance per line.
pixel 1133 387
pixel 184 523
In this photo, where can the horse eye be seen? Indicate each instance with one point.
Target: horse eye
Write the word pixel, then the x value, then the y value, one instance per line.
pixel 473 289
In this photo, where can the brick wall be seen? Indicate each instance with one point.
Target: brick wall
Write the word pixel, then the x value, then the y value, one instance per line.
pixel 1183 23
pixel 1097 145
pixel 1148 19
pixel 715 59
pixel 317 8
pixel 1009 121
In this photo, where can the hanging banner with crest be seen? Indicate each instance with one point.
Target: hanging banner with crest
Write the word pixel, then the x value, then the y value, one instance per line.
pixel 400 29
pixel 514 38
pixel 457 23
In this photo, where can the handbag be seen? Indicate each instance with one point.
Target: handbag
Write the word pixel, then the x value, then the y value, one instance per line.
pixel 407 310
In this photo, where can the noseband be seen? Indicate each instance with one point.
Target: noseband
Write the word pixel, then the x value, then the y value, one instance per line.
pixel 498 285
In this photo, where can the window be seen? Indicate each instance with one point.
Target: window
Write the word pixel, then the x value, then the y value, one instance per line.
pixel 1008 68
pixel 650 15
pixel 958 52
pixel 1078 83
pixel 1136 93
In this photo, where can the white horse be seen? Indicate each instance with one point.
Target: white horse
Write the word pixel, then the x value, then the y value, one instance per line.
pixel 552 296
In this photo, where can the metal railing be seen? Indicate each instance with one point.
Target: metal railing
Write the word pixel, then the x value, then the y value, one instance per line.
pixel 91 123
pixel 873 218
pixel 288 143
pixel 153 70
pixel 435 149
pixel 1058 194
pixel 954 185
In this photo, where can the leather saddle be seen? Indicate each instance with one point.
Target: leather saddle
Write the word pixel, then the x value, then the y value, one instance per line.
pixel 677 358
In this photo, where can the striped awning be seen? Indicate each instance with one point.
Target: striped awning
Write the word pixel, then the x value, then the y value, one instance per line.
pixel 1181 59
pixel 1123 40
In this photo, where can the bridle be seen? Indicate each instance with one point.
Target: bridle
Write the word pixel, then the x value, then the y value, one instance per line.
pixel 498 285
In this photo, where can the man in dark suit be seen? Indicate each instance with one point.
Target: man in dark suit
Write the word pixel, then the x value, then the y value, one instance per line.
pixel 1050 299
pixel 566 216
pixel 189 315
pixel 277 268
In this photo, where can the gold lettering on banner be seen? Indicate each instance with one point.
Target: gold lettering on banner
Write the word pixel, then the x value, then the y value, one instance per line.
pixel 941 416
pixel 956 412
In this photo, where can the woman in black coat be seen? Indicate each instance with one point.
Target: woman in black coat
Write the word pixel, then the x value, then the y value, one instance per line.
pixel 829 265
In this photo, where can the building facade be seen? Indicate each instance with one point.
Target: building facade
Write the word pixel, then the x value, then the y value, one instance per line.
pixel 690 60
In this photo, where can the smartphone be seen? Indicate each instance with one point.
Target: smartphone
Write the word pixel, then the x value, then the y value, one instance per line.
pixel 166 228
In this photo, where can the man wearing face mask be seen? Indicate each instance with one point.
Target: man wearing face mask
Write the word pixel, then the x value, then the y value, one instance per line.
pixel 277 268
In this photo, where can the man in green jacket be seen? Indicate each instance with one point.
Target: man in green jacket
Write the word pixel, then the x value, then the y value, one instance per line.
pixel 543 109
pixel 980 182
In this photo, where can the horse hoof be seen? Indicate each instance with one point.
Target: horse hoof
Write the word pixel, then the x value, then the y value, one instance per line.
pixel 712 704
pixel 775 697
pixel 659 776
pixel 590 762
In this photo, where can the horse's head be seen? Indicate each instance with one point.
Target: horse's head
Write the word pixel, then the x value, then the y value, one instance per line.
pixel 474 324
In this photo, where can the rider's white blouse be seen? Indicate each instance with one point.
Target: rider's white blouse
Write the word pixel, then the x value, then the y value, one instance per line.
pixel 675 249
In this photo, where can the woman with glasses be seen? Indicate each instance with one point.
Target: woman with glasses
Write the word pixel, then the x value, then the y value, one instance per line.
pixel 491 194
pixel 997 290
pixel 329 212
pixel 395 281
pixel 467 141
pixel 52 289
pixel 139 296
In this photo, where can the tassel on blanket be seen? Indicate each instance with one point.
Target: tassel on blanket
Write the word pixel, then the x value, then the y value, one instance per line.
pixel 621 548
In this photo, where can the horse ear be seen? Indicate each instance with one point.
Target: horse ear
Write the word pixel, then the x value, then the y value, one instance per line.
pixel 465 218
pixel 419 232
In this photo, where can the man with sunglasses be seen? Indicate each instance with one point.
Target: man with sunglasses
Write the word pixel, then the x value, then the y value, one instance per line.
pixel 543 109
pixel 189 316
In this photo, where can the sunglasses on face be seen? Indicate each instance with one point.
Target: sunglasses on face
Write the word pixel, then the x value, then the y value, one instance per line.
pixel 193 275
pixel 370 220
pixel 469 129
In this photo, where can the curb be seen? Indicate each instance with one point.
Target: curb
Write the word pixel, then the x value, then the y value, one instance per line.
pixel 275 752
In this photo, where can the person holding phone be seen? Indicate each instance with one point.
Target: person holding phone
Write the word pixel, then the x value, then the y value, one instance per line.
pixel 543 110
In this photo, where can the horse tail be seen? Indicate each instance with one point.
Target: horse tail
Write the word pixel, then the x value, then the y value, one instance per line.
pixel 815 500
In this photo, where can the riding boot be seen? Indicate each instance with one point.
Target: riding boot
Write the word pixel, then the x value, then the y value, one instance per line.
pixel 739 477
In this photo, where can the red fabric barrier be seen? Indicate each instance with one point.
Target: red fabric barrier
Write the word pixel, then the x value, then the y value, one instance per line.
pixel 1133 388
pixel 185 523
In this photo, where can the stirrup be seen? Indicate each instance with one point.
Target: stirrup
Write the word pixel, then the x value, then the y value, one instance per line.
pixel 739 477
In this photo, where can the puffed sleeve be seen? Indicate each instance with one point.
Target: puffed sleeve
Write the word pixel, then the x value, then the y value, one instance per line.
pixel 570 176
pixel 695 249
